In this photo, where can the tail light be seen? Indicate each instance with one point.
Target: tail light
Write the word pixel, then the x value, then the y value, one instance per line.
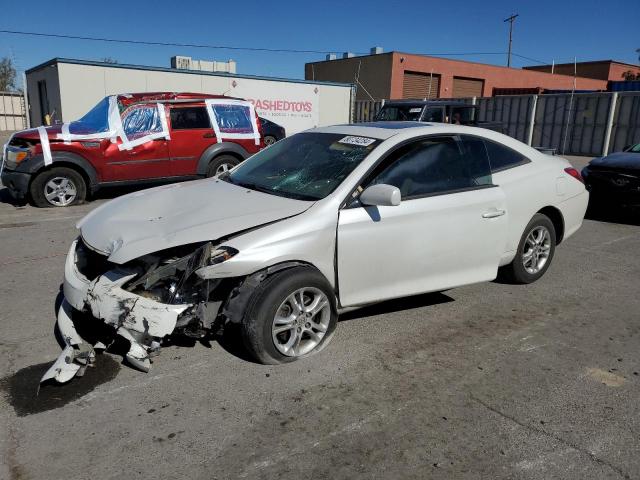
pixel 574 173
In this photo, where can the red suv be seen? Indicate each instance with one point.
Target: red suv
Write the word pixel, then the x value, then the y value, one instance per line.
pixel 132 138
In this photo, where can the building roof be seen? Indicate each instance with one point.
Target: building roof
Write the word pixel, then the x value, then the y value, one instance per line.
pixel 470 62
pixel 57 60
pixel 590 62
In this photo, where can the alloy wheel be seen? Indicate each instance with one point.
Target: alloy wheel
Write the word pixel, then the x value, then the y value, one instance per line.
pixel 301 322
pixel 223 167
pixel 537 248
pixel 60 191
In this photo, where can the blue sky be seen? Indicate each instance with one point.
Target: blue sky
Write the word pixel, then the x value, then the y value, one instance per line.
pixel 546 30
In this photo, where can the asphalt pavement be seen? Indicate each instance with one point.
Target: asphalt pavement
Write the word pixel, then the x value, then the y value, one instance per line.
pixel 485 381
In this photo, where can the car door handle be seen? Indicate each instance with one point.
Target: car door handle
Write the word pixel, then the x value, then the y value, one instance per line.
pixel 209 135
pixel 493 213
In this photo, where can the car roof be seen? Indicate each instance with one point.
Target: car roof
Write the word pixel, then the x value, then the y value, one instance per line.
pixel 169 97
pixel 384 130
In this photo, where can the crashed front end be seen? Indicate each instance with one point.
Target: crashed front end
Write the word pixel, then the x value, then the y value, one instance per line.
pixel 141 301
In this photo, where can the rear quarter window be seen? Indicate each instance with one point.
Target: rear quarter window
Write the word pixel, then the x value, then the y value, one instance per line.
pixel 502 157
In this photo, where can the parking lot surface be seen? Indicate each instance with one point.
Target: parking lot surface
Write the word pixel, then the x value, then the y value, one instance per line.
pixel 485 381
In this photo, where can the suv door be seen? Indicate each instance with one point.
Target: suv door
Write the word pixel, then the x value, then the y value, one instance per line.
pixel 449 230
pixel 149 160
pixel 191 135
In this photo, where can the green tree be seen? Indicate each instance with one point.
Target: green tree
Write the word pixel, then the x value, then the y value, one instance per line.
pixel 7 74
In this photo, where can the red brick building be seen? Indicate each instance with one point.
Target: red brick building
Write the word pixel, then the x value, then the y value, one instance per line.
pixel 397 75
pixel 601 69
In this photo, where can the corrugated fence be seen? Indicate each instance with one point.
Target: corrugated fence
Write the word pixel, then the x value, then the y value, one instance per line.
pixel 580 124
pixel 12 111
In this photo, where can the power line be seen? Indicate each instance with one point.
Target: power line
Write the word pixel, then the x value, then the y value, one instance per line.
pixel 542 62
pixel 225 47
pixel 164 44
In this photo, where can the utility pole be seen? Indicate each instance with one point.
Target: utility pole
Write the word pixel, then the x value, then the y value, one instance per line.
pixel 510 20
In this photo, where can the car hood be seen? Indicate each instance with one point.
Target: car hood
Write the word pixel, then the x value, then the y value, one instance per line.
pixel 625 160
pixel 169 216
pixel 32 133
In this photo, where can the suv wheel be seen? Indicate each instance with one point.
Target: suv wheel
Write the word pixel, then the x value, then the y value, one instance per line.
pixel 291 314
pixel 269 140
pixel 221 164
pixel 535 251
pixel 58 187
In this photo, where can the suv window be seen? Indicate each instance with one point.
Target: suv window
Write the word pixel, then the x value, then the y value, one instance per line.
pixel 501 157
pixel 433 114
pixel 434 166
pixel 141 120
pixel 187 118
pixel 399 113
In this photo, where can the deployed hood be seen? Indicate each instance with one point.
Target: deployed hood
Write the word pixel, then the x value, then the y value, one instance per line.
pixel 626 160
pixel 169 216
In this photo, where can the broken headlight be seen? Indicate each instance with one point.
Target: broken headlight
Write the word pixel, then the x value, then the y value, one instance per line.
pixel 222 254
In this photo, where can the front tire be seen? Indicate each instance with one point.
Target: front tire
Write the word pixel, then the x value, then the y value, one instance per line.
pixel 535 252
pixel 58 187
pixel 291 315
pixel 221 164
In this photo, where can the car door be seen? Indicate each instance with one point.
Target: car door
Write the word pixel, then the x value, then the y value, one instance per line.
pixel 148 160
pixel 449 229
pixel 191 135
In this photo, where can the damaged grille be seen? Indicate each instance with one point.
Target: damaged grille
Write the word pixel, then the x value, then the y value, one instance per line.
pixel 90 263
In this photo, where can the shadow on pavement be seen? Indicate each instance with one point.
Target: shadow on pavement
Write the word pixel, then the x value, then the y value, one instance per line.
pixel 5 197
pixel 397 305
pixel 21 388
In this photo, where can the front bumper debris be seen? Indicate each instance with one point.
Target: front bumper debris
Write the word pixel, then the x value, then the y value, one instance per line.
pixel 142 321
pixel 77 354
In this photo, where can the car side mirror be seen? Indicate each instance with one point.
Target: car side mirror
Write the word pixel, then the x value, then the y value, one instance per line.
pixel 381 195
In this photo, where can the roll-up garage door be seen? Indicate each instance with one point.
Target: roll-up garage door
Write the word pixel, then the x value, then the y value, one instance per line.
pixel 416 85
pixel 467 87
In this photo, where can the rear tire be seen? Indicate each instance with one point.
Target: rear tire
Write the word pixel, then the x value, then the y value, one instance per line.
pixel 535 252
pixel 279 324
pixel 221 164
pixel 58 187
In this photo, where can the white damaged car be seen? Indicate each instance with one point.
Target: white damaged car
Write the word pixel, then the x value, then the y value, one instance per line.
pixel 326 220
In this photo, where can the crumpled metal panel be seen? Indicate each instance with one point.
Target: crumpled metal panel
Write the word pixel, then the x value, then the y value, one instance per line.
pixel 110 302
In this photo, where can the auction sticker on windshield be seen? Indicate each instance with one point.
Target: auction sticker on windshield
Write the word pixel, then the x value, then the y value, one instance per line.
pixel 360 141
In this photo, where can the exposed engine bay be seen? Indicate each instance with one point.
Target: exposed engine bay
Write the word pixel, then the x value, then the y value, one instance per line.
pixel 142 301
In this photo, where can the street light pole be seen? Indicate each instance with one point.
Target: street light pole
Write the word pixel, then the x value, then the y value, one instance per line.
pixel 510 20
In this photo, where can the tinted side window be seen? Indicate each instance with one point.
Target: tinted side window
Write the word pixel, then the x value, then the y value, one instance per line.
pixel 501 157
pixel 433 166
pixel 433 115
pixel 187 118
pixel 475 152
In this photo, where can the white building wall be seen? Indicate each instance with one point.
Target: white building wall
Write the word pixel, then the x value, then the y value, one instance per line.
pixel 296 106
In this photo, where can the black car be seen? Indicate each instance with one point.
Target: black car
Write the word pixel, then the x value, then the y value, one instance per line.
pixel 272 131
pixel 615 178
pixel 434 111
